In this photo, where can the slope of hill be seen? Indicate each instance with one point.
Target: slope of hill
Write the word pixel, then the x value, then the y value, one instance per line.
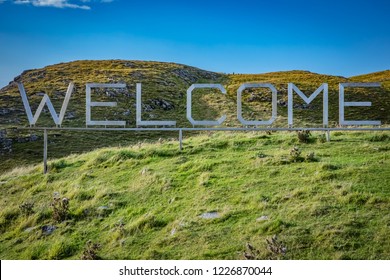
pixel 160 81
pixel 151 201
pixel 382 76
pixel 164 88
pixel 307 82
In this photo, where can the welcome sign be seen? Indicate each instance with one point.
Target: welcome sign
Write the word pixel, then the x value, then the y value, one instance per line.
pixel 292 88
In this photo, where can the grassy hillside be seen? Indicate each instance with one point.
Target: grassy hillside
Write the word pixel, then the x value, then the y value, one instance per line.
pixel 311 115
pixel 224 190
pixel 162 83
pixel 164 88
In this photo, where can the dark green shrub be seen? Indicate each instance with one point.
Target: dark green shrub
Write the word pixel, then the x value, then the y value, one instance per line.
pixel 27 208
pixel 304 136
pixel 295 155
pixel 60 208
pixel 90 251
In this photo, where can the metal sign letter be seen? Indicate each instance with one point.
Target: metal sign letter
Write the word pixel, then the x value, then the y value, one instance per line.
pixel 140 122
pixel 89 104
pixel 308 100
pixel 189 105
pixel 274 104
pixel 45 100
pixel 343 104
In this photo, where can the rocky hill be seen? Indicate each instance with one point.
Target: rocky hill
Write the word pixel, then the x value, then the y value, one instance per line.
pixel 163 85
pixel 164 88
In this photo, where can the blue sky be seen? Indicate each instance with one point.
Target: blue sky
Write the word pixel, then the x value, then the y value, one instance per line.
pixel 245 36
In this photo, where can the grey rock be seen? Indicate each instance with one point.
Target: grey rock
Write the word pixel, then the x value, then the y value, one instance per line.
pixel 5 111
pixel 185 75
pixel 30 229
pixel 191 75
pixel 126 113
pixel 3 133
pixel 282 103
pixel 31 138
pixel 70 115
pixel 210 215
pixel 103 211
pixel 111 93
pixel 5 144
pixel 34 137
pixel 147 107
pixel 129 95
pixel 144 171
pixel 163 104
pixel 129 64
pixel 304 106
pixel 47 230
pixel 254 97
pixel 137 75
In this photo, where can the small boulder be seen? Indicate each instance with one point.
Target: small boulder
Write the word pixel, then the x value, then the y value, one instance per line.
pixel 48 229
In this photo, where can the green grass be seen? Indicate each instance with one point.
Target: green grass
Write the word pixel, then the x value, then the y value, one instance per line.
pixel 145 201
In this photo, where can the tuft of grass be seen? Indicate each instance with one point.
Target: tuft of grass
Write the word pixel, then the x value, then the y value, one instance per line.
pixel 91 251
pixel 60 208
pixel 304 136
pixel 62 249
pixel 380 137
pixel 27 208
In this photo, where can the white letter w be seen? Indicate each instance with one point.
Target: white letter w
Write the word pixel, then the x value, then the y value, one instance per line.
pixel 45 100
